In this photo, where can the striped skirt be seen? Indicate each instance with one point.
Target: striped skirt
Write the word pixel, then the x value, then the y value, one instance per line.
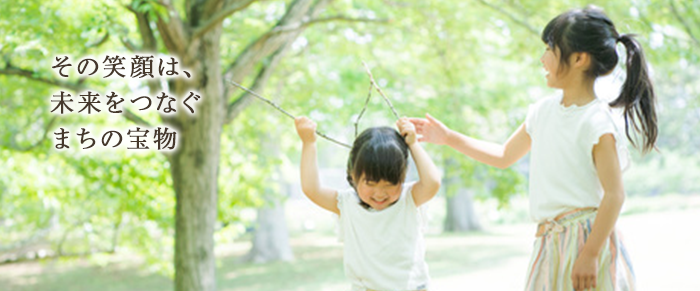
pixel 557 246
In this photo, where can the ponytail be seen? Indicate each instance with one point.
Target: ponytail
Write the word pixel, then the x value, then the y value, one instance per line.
pixel 637 96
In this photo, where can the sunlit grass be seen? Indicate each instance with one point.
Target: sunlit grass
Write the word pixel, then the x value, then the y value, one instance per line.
pixel 660 233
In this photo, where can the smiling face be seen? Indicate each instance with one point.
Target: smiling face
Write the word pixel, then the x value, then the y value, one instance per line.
pixel 586 31
pixel 377 166
pixel 378 195
pixel 551 62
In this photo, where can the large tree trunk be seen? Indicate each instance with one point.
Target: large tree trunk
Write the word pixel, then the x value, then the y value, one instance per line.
pixel 460 215
pixel 195 40
pixel 194 167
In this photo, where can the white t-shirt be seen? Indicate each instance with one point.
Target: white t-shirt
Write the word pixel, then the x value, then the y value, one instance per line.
pixel 563 176
pixel 384 250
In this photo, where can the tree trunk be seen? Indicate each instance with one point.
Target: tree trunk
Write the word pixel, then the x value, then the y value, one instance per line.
pixel 194 167
pixel 271 238
pixel 195 40
pixel 459 215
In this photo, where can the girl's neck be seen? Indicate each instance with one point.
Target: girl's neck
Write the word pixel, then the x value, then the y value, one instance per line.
pixel 579 93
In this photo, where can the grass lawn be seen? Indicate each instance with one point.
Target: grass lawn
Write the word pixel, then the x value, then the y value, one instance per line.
pixel 662 237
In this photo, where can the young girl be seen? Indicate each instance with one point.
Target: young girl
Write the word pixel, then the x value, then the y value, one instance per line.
pixel 576 189
pixel 380 222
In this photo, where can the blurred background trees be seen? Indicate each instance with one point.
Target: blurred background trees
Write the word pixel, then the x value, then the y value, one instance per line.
pixel 473 64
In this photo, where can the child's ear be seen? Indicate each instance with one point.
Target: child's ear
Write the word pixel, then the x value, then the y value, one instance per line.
pixel 581 60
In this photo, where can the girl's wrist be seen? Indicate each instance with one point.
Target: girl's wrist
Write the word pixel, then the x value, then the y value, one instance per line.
pixel 411 140
pixel 449 137
pixel 588 251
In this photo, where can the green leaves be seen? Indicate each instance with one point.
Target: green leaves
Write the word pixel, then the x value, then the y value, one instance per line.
pixel 474 67
pixel 152 8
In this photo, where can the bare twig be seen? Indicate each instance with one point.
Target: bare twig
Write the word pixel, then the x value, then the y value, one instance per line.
pixel 284 112
pixel 263 99
pixel 235 107
pixel 371 78
pixel 369 95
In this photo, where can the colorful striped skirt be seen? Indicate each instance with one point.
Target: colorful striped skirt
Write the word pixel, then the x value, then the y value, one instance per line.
pixel 557 246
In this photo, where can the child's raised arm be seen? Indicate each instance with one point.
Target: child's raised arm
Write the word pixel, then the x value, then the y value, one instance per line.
pixel 429 176
pixel 500 156
pixel 310 184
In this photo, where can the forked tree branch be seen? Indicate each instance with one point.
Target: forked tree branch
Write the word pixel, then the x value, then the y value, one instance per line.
pixel 273 104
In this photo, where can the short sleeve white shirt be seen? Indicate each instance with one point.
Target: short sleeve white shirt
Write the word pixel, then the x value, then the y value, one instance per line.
pixel 383 250
pixel 563 176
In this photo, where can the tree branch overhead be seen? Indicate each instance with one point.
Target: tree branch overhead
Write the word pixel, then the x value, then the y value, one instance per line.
pixel 219 17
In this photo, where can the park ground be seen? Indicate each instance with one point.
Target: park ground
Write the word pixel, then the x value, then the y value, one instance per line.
pixel 661 233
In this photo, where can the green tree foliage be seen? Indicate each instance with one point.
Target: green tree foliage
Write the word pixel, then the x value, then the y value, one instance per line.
pixel 472 64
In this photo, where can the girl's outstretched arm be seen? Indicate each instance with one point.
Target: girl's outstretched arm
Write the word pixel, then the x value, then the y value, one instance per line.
pixel 429 176
pixel 500 156
pixel 310 184
pixel 584 274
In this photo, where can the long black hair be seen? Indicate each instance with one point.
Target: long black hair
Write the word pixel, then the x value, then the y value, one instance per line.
pixel 378 153
pixel 589 30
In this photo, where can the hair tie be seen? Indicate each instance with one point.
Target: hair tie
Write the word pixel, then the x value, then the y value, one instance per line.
pixel 619 38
